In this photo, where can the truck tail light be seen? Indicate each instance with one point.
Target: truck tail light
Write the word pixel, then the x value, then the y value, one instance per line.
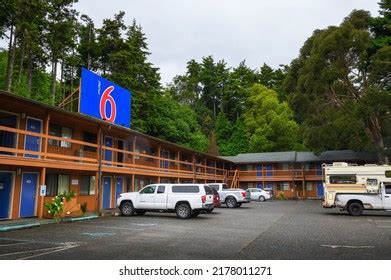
pixel 203 198
pixel 244 194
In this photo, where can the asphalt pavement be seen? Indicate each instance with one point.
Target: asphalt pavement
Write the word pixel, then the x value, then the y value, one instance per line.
pixel 259 230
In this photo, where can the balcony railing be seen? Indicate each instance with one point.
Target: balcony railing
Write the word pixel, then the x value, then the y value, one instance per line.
pixel 85 154
pixel 277 175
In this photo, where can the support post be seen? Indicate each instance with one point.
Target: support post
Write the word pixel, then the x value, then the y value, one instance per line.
pixel 46 133
pixel 41 198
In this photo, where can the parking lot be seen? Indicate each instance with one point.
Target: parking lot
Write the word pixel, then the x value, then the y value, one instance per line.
pixel 268 230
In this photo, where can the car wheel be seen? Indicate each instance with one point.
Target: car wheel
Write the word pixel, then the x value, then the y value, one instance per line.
pixel 183 211
pixel 209 210
pixel 140 212
pixel 262 198
pixel 127 208
pixel 355 209
pixel 195 213
pixel 231 202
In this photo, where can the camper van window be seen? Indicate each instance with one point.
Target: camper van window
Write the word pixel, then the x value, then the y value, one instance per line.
pixel 388 173
pixel 343 179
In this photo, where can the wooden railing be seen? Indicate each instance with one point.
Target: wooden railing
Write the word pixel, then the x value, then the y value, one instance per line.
pixel 279 175
pixel 131 161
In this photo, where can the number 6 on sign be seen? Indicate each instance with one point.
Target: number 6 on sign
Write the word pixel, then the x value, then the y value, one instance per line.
pixel 106 97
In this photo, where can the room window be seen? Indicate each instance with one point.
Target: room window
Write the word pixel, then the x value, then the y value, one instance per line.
pixel 89 138
pixel 60 131
pixel 343 179
pixel 308 186
pixel 87 185
pixel 283 186
pixel 56 183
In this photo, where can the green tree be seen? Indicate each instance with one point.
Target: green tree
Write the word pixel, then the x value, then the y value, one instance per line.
pixel 231 137
pixel 335 81
pixel 131 69
pixel 60 36
pixel 269 122
pixel 173 122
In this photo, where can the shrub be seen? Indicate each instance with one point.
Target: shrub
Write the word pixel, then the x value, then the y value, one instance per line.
pixel 281 196
pixel 56 207
pixel 83 207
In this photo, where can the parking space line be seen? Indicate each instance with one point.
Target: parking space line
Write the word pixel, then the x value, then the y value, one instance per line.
pixel 11 244
pixel 348 246
pixel 124 228
pixel 67 247
pixel 33 241
pixel 30 251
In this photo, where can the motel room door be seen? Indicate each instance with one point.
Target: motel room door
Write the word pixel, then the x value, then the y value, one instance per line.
pixel 319 189
pixel 108 153
pixel 119 188
pixel 29 190
pixel 33 143
pixel 106 192
pixel 5 194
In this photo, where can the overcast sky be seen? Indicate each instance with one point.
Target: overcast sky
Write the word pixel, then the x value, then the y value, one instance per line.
pixel 258 31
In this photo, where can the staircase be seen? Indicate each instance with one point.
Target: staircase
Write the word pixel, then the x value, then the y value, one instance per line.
pixel 235 180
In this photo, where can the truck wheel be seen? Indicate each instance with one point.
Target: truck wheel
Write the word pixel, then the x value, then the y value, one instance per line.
pixel 183 211
pixel 127 209
pixel 231 202
pixel 355 209
pixel 140 212
pixel 195 213
pixel 261 198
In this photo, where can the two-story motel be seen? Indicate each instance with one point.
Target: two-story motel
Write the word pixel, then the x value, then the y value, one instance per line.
pixel 66 151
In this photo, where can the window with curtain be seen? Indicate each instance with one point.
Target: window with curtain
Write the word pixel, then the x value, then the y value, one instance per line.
pixel 56 183
pixel 51 184
pixel 63 183
pixel 60 131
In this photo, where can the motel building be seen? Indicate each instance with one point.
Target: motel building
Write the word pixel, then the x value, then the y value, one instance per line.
pixel 67 151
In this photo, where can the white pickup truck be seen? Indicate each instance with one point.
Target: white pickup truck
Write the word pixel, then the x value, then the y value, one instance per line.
pixel 355 203
pixel 231 197
pixel 357 187
pixel 187 200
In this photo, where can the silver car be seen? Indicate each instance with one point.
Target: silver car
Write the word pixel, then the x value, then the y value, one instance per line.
pixel 259 194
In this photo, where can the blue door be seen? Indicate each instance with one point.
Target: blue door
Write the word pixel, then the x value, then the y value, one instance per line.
pixel 33 143
pixel 163 163
pixel 318 169
pixel 259 170
pixel 319 189
pixel 269 170
pixel 5 194
pixel 106 192
pixel 108 153
pixel 119 187
pixel 29 188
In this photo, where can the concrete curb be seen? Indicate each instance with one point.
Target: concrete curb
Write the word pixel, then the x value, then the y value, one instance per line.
pixel 11 227
pixel 77 219
pixel 20 226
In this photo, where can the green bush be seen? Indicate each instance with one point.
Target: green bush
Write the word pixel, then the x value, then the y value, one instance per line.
pixel 281 196
pixel 83 207
pixel 56 207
